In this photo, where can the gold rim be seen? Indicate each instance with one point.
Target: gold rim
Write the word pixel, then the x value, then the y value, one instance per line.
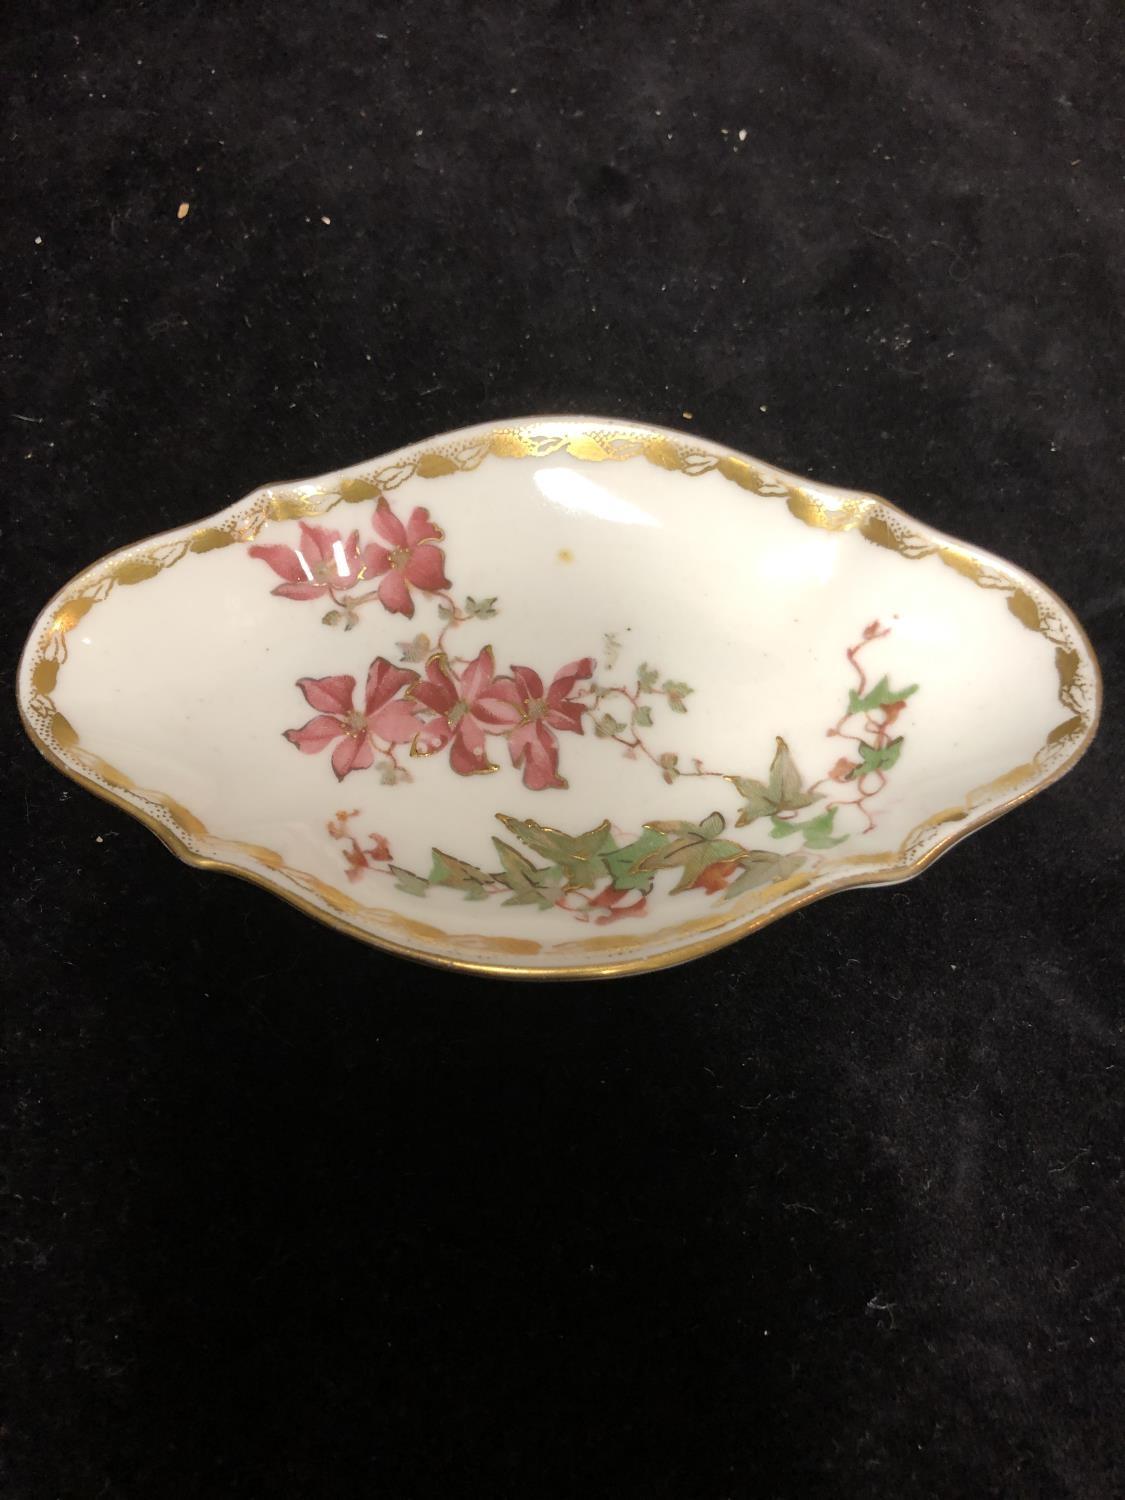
pixel 589 440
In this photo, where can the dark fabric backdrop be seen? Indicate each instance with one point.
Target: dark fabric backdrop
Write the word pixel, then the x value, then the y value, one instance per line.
pixel 836 1212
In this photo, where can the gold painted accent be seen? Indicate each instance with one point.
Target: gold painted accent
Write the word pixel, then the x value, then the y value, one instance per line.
pixel 354 490
pixel 960 562
pixel 877 529
pixel 878 521
pixel 70 614
pixel 135 572
pixel 62 732
pixel 1024 607
pixel 209 539
pixel 434 465
pixel 1066 730
pixel 44 677
pixel 740 472
pixel 586 448
pixel 565 555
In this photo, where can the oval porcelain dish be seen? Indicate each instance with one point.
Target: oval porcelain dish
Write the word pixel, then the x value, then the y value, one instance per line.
pixel 561 697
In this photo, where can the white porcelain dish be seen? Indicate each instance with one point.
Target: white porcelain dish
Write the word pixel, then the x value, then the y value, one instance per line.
pixel 561 697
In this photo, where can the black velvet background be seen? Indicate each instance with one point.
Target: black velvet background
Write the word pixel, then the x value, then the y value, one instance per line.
pixel 836 1212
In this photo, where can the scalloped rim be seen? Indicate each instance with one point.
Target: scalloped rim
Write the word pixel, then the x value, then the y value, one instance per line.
pixel 816 504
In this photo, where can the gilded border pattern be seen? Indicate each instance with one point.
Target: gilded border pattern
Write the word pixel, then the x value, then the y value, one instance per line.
pixel 879 522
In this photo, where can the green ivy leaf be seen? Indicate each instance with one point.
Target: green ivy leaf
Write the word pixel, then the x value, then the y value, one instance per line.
pixel 523 879
pixel 481 609
pixel 691 848
pixel 763 868
pixel 607 726
pixel 783 792
pixel 758 802
pixel 879 696
pixel 445 612
pixel 785 780
pixel 577 855
pixel 647 677
pixel 458 875
pixel 622 864
pixel 874 758
pixel 712 825
pixel 817 832
pixel 406 880
pixel 677 692
pixel 416 650
pixel 642 716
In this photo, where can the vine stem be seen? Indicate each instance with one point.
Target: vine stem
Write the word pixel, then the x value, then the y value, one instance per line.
pixel 637 742
pixel 877 728
pixel 349 602
pixel 456 617
pixel 388 751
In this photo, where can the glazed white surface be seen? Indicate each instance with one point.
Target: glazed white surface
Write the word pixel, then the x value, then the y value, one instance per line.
pixel 186 681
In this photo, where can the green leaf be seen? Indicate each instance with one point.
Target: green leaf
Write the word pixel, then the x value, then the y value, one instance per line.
pixel 578 855
pixel 785 781
pixel 647 677
pixel 758 803
pixel 677 692
pixel 712 824
pixel 642 716
pixel 762 868
pixel 459 876
pixel 607 726
pixel 668 765
pixel 416 650
pixel 611 645
pixel 345 618
pixel 691 856
pixel 783 793
pixel 522 878
pixel 817 832
pixel 445 612
pixel 879 696
pixel 622 863
pixel 406 880
pixel 876 758
pixel 691 848
pixel 481 609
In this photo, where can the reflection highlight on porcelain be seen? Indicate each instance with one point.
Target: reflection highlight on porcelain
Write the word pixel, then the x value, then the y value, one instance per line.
pixel 582 496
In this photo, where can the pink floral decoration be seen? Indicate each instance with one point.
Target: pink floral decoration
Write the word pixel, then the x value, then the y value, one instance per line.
pixel 384 716
pixel 410 558
pixel 321 564
pixel 534 743
pixel 467 707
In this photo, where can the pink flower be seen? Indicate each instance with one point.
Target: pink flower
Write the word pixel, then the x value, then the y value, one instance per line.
pixel 323 562
pixel 468 708
pixel 534 742
pixel 409 560
pixel 384 716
